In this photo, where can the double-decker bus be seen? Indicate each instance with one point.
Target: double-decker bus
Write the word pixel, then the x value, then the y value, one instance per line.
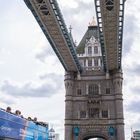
pixel 13 127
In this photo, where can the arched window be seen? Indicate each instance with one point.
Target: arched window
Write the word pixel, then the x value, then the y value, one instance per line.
pixel 96 62
pixel 90 63
pixel 96 50
pixel 79 91
pixel 82 114
pixel 89 50
pixel 93 89
pixel 93 113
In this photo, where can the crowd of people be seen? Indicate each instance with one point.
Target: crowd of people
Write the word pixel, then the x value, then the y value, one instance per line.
pixel 18 114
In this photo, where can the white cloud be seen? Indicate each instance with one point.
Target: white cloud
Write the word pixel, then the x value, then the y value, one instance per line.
pixel 7 100
pixel 48 85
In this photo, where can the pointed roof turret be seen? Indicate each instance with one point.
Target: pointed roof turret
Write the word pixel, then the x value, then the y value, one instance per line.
pixel 92 31
pixel 92 23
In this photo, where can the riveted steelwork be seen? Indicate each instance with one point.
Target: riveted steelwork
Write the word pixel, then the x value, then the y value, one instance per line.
pixel 50 19
pixel 120 30
pixel 110 16
pixel 101 36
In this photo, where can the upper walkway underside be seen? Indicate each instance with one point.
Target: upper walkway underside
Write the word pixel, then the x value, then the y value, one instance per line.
pixel 49 17
pixel 110 15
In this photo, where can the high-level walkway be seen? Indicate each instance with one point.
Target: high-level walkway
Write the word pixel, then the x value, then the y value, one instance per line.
pixel 50 19
pixel 110 16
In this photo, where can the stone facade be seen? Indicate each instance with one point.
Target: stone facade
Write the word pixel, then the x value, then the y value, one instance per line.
pixel 93 98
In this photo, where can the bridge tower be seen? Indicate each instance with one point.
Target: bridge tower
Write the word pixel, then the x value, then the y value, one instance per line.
pixel 94 104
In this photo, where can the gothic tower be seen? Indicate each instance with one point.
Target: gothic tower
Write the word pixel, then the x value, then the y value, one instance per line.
pixel 94 104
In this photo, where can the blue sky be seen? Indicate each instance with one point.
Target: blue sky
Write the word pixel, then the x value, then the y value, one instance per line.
pixel 31 76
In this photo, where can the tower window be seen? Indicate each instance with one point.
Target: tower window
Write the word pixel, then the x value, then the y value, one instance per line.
pixel 90 62
pixel 93 89
pixel 82 114
pixel 93 113
pixel 107 90
pixel 81 62
pixel 79 92
pixel 96 62
pixel 96 49
pixel 104 113
pixel 89 50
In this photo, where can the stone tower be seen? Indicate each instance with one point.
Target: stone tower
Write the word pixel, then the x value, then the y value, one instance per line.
pixel 94 104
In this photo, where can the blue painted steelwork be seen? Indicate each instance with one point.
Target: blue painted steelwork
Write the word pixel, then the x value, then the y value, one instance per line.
pixel 111 131
pixel 62 25
pixel 13 127
pixel 120 32
pixel 76 131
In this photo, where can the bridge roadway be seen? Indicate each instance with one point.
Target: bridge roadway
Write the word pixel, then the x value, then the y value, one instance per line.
pixel 49 17
pixel 110 15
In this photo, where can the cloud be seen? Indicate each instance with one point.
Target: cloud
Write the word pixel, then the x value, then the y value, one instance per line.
pixel 136 125
pixel 134 106
pixel 7 100
pixel 135 70
pixel 53 77
pixel 136 90
pixel 81 6
pixel 48 85
pixel 130 28
pixel 44 53
pixel 78 16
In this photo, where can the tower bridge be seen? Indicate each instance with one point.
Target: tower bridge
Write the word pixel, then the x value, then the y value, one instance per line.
pixel 93 78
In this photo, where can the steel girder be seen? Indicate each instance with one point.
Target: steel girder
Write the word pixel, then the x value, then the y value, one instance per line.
pixel 110 17
pixel 50 19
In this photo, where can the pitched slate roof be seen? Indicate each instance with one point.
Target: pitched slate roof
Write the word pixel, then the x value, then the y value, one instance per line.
pixel 92 31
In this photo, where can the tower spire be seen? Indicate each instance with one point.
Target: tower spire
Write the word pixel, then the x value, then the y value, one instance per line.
pixel 93 22
pixel 70 29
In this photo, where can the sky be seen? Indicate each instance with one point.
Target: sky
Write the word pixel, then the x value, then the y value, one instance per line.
pixel 31 76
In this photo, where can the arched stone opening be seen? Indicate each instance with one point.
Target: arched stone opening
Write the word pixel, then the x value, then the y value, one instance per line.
pixel 94 137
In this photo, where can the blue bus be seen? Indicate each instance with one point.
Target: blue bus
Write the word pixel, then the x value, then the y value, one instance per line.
pixel 13 127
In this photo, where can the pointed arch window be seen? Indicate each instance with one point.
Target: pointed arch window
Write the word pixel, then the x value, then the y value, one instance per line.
pixel 96 62
pixel 79 91
pixel 93 89
pixel 89 50
pixel 93 113
pixel 96 50
pixel 105 113
pixel 89 62
pixel 107 90
pixel 82 114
